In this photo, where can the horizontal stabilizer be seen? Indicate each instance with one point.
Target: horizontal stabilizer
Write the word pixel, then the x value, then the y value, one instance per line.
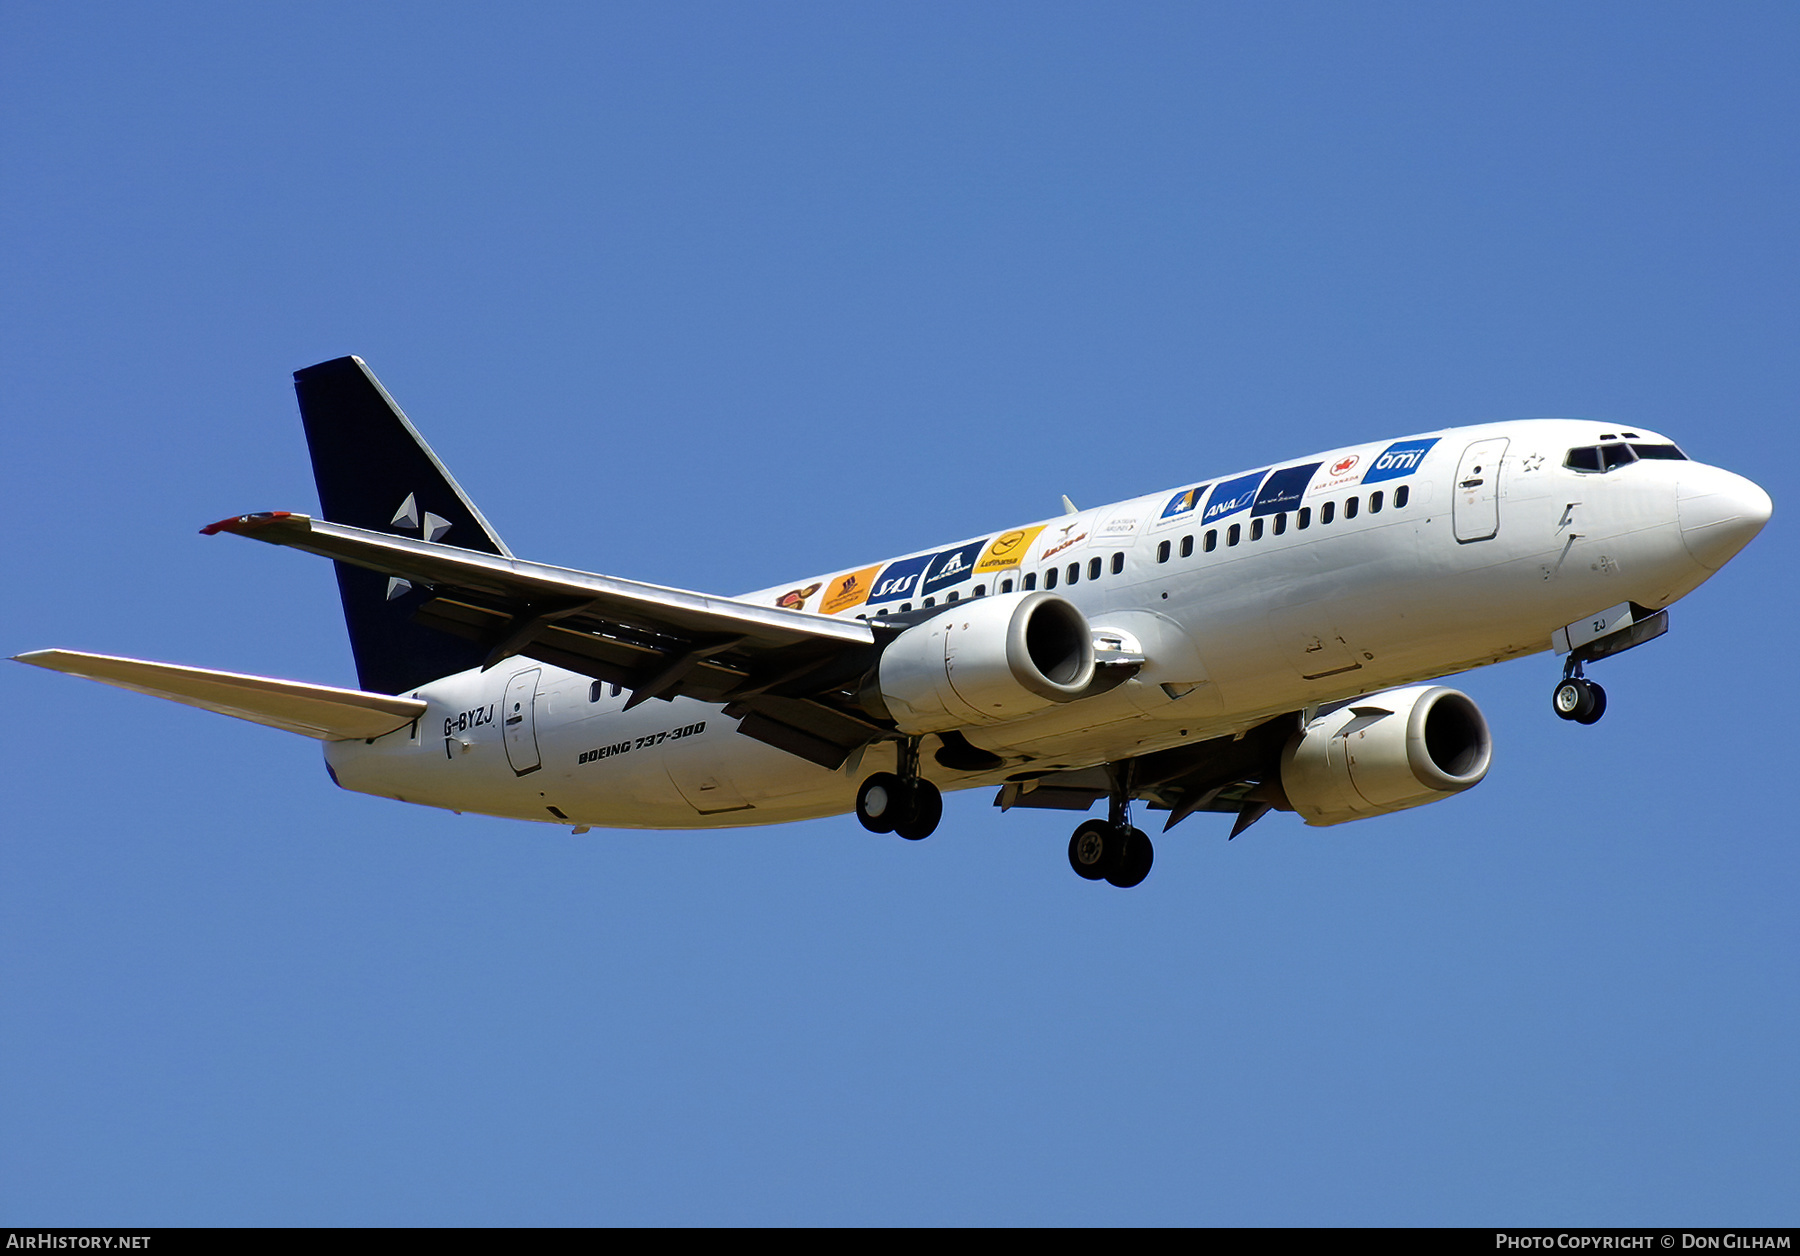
pixel 321 711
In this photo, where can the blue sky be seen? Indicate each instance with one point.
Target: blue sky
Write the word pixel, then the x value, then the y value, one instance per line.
pixel 720 295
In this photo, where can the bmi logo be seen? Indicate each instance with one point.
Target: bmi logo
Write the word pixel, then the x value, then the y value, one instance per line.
pixel 1398 459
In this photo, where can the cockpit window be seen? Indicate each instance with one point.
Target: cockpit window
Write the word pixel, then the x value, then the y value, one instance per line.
pixel 1609 457
pixel 1663 452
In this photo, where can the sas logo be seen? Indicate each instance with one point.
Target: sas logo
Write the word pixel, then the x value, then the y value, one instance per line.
pixel 846 591
pixel 1232 496
pixel 1007 550
pixel 899 579
pixel 795 599
pixel 1343 466
pixel 1400 458
pixel 952 567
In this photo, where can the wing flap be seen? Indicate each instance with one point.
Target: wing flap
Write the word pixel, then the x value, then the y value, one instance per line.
pixel 321 711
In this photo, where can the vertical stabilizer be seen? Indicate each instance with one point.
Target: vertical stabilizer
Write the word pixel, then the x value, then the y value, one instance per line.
pixel 374 471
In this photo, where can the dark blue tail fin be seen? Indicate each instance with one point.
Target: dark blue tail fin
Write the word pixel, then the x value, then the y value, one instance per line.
pixel 374 471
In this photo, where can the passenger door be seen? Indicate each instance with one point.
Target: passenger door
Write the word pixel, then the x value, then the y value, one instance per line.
pixel 518 718
pixel 1475 511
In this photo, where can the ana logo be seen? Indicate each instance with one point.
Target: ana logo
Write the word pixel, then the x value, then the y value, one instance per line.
pixel 1232 497
pixel 1400 458
pixel 1343 464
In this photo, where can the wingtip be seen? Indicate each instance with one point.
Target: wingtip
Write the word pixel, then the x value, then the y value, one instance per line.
pixel 246 523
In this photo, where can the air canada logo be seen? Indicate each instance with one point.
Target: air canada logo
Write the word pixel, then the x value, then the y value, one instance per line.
pixel 1343 465
pixel 851 589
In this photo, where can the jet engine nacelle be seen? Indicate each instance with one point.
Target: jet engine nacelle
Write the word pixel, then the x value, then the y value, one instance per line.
pixel 1386 752
pixel 988 660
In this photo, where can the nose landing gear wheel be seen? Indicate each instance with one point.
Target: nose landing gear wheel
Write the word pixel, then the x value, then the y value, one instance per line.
pixel 1580 700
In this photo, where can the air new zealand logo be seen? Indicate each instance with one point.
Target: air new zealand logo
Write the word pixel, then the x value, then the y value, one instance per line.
pixel 431 528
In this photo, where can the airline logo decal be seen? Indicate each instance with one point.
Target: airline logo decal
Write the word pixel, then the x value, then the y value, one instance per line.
pixel 1339 474
pixel 851 589
pixel 795 599
pixel 899 579
pixel 953 566
pixel 1119 525
pixel 1063 540
pixel 1182 504
pixel 1232 496
pixel 1007 550
pixel 1400 458
pixel 1283 489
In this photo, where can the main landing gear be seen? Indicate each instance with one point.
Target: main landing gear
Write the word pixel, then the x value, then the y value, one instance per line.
pixel 1110 849
pixel 1577 698
pixel 904 803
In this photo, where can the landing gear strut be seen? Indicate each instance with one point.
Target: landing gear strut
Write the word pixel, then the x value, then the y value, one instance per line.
pixel 1577 698
pixel 904 802
pixel 1110 849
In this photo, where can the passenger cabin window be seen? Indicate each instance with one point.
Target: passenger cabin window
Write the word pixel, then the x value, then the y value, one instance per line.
pixel 1187 547
pixel 952 596
pixel 931 601
pixel 1326 512
pixel 1303 520
pixel 1280 523
pixel 1400 496
pixel 1006 585
pixel 594 691
pixel 1256 529
pixel 981 590
pixel 1233 534
pixel 1093 569
pixel 1118 563
pixel 1374 503
pixel 905 607
pixel 1030 581
pixel 1350 508
pixel 1212 539
pixel 1074 573
pixel 1050 578
pixel 1162 552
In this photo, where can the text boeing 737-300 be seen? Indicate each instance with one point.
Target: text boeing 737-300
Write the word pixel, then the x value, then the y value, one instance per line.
pixel 1263 640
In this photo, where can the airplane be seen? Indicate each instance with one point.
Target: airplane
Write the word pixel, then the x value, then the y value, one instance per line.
pixel 1260 641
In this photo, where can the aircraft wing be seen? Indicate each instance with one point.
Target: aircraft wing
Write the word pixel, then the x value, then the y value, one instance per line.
pixel 321 711
pixel 788 676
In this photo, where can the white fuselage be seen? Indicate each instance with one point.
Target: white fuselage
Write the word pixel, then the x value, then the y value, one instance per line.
pixel 1483 544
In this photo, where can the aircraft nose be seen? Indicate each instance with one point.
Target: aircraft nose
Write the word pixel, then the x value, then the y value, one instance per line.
pixel 1720 513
